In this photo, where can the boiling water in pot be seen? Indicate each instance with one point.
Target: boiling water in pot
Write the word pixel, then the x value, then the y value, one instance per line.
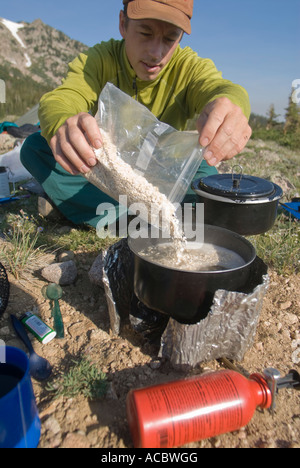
pixel 193 257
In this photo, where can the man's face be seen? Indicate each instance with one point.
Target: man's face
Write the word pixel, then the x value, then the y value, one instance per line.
pixel 149 45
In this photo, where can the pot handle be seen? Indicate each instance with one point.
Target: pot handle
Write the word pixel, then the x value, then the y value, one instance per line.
pixel 236 182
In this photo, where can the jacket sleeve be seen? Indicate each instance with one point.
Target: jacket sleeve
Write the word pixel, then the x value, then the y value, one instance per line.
pixel 207 84
pixel 78 93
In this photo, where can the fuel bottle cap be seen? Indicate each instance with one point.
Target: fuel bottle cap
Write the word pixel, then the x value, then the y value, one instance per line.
pixel 276 382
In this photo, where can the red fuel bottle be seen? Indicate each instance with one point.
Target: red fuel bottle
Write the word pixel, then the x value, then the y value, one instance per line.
pixel 176 413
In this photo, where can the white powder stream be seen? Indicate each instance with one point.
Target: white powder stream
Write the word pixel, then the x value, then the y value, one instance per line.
pixel 115 177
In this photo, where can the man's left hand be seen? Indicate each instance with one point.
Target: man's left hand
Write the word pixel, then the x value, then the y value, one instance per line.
pixel 224 130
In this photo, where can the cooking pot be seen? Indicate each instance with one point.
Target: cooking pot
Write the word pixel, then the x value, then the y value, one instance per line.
pixel 187 295
pixel 242 203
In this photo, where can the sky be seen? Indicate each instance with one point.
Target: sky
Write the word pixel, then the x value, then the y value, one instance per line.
pixel 254 43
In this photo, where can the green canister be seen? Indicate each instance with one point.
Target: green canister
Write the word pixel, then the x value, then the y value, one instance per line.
pixel 38 328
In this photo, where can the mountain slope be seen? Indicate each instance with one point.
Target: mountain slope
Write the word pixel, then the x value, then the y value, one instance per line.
pixel 33 59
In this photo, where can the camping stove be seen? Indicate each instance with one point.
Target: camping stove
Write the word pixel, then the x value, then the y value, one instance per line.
pixel 227 329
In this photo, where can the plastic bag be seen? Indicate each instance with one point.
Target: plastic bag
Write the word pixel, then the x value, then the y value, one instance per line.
pixel 168 159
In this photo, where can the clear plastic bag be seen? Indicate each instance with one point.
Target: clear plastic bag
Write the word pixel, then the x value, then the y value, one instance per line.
pixel 167 158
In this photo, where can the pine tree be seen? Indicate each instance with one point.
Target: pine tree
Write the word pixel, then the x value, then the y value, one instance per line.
pixel 272 117
pixel 292 118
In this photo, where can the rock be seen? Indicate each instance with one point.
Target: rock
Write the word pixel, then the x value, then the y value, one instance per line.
pixel 291 319
pixel 96 271
pixel 6 142
pixel 52 425
pixel 155 364
pixel 66 256
pixel 285 305
pixel 63 273
pixel 76 440
pixel 80 329
pixel 4 331
pixel 48 210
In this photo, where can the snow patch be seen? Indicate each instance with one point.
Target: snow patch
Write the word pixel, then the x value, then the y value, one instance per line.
pixel 28 61
pixel 14 28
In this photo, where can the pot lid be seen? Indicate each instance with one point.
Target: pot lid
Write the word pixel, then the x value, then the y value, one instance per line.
pixel 237 186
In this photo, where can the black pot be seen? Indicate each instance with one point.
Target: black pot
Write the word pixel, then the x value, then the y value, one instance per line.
pixel 244 204
pixel 187 295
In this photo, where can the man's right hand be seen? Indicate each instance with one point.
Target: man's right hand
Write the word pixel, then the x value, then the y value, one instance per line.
pixel 71 145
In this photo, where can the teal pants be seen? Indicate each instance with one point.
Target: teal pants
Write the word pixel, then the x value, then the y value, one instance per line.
pixel 74 196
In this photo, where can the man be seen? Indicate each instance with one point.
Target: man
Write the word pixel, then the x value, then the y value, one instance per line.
pixel 175 84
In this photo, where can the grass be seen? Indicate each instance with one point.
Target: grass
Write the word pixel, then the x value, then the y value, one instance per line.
pixel 29 237
pixel 84 378
pixel 280 247
pixel 289 140
pixel 20 253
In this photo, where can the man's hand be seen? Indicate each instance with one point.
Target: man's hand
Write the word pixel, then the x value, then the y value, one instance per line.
pixel 223 129
pixel 71 145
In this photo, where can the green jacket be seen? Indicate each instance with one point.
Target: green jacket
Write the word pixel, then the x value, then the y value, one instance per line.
pixel 178 94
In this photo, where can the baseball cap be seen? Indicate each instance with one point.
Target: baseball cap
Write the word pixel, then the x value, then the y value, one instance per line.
pixel 177 12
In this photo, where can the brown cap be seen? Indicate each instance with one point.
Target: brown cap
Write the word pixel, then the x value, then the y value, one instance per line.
pixel 178 12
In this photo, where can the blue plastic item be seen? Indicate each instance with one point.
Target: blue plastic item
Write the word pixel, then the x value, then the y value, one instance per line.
pixel 11 199
pixel 293 208
pixel 20 425
pixel 39 367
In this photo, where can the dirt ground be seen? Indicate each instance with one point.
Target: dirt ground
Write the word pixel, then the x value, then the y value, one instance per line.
pixel 131 362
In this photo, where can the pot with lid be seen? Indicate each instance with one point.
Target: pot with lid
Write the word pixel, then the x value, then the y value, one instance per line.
pixel 241 203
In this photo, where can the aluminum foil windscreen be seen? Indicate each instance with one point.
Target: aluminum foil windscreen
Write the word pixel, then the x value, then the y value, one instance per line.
pixel 227 331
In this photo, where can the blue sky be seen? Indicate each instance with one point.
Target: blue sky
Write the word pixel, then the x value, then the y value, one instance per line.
pixel 254 43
